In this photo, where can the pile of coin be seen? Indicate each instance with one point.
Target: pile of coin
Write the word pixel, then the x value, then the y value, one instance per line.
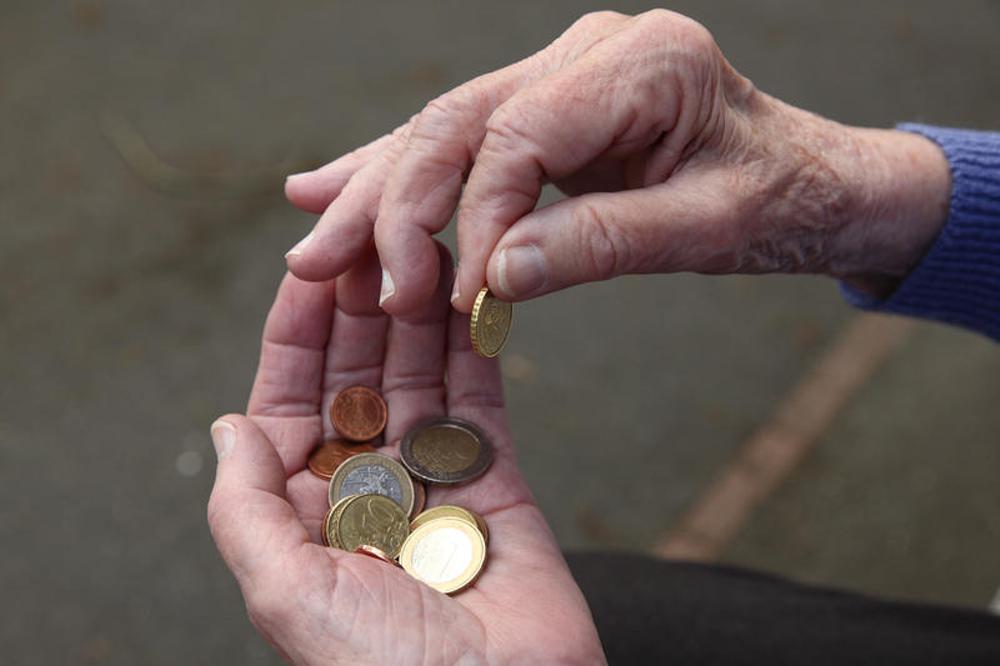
pixel 377 502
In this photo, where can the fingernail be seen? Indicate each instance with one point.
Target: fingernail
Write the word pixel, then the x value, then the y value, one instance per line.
pixel 292 177
pixel 301 245
pixel 521 270
pixel 455 292
pixel 388 287
pixel 223 437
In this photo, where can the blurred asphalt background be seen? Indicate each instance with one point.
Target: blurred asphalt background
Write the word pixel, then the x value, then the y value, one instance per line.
pixel 130 316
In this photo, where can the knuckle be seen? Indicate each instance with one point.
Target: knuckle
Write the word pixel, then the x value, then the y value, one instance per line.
pixel 507 125
pixel 403 131
pixel 685 32
pixel 444 112
pixel 604 246
pixel 595 20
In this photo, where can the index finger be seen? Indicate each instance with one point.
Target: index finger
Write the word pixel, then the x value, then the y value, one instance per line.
pixel 421 194
pixel 603 105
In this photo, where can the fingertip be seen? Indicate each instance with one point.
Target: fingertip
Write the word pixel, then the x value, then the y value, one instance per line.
pixel 412 291
pixel 411 270
pixel 321 256
pixel 518 272
pixel 303 192
pixel 387 289
pixel 224 434
pixel 308 270
pixel 301 246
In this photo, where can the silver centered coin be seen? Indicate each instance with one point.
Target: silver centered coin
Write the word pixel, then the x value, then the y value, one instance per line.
pixel 372 473
pixel 446 450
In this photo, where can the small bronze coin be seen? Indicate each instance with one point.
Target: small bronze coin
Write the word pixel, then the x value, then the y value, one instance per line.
pixel 446 450
pixel 377 553
pixel 374 520
pixel 490 323
pixel 359 414
pixel 327 457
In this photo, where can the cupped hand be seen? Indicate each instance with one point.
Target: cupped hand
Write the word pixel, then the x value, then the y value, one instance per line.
pixel 672 161
pixel 318 605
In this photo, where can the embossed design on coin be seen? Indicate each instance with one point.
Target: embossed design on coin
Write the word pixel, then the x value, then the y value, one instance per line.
pixel 367 473
pixel 374 520
pixel 446 450
pixel 446 553
pixel 359 413
pixel 490 323
pixel 328 456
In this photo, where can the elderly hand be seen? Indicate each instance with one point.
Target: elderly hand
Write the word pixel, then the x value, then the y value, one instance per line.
pixel 672 162
pixel 319 605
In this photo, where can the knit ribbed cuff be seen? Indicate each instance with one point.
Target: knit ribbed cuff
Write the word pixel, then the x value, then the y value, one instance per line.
pixel 958 280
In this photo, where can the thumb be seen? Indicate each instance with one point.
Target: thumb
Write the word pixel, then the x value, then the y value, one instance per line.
pixel 661 229
pixel 252 523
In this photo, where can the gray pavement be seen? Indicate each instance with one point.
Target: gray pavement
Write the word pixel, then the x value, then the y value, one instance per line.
pixel 129 317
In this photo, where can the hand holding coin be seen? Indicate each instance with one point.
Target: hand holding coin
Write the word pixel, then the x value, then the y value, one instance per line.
pixel 269 513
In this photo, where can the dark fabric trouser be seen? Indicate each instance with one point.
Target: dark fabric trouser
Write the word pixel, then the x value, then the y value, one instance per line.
pixel 651 611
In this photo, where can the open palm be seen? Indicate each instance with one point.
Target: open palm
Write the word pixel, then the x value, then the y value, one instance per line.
pixel 321 605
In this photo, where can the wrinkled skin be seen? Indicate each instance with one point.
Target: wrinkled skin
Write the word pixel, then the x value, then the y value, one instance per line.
pixel 671 160
pixel 319 605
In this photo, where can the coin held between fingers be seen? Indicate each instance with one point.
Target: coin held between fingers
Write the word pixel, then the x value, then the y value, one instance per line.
pixel 490 323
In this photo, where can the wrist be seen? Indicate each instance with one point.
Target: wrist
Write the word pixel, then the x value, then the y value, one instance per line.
pixel 903 184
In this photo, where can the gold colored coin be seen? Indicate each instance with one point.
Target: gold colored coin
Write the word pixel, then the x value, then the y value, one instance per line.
pixel 324 531
pixel 330 522
pixel 451 511
pixel 374 520
pixel 445 553
pixel 490 323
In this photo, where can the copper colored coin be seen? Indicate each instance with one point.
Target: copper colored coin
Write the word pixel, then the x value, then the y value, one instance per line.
pixel 376 552
pixel 359 414
pixel 327 457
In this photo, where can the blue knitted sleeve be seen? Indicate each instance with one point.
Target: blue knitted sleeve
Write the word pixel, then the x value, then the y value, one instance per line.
pixel 958 280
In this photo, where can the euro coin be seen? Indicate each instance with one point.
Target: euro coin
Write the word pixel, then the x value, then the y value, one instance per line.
pixel 445 553
pixel 327 457
pixel 419 498
pixel 368 473
pixel 446 450
pixel 374 520
pixel 490 323
pixel 359 413
pixel 324 530
pixel 330 536
pixel 450 511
